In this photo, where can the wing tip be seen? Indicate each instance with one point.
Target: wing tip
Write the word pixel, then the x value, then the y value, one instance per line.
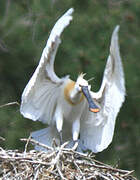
pixel 70 11
pixel 115 32
pixel 114 39
pixel 117 28
pixel 61 24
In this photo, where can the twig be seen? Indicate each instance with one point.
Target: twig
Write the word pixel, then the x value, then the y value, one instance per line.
pixel 35 162
pixel 79 170
pixel 9 104
pixel 68 150
pixel 59 171
pixel 102 176
pixel 37 143
pixel 1 138
pixel 128 173
pixel 26 145
pixel 75 146
pixel 111 168
pixel 36 174
pixel 56 160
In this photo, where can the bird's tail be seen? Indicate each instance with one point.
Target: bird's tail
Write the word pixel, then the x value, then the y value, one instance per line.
pixel 45 136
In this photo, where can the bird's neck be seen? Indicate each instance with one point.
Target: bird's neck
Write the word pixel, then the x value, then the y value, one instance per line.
pixel 71 94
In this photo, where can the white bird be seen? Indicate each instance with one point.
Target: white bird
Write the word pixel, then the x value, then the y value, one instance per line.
pixel 71 109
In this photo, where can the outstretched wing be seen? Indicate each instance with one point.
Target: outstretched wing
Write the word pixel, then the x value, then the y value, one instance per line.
pixel 97 129
pixel 40 94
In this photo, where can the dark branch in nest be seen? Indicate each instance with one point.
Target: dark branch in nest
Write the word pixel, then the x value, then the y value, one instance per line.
pixel 56 163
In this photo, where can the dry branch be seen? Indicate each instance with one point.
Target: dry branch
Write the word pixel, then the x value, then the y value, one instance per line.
pixel 9 104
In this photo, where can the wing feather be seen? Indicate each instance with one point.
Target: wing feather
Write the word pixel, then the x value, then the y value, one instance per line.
pixel 98 129
pixel 40 95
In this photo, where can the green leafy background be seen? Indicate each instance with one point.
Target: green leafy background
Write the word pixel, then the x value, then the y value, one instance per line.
pixel 24 29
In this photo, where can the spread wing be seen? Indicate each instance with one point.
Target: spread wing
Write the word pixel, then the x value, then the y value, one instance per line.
pixel 40 95
pixel 97 129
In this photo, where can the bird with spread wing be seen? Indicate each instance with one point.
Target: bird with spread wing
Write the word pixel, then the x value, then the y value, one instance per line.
pixel 72 111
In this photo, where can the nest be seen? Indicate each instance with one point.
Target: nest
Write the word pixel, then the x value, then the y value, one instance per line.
pixel 56 163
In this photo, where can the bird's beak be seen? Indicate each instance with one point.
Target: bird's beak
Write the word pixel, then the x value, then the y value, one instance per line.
pixel 92 106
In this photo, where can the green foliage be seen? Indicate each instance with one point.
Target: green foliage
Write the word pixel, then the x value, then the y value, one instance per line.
pixel 24 29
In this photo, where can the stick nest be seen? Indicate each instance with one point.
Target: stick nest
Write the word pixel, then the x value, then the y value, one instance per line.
pixel 56 163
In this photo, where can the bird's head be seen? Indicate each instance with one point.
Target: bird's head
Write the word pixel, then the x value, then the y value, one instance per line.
pixel 80 82
pixel 82 86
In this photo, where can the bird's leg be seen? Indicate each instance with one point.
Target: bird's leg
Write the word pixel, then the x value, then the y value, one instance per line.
pixel 59 125
pixel 75 132
pixel 59 122
pixel 61 137
pixel 75 129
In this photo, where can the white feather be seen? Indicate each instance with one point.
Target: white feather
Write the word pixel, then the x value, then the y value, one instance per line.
pixel 97 130
pixel 45 135
pixel 40 95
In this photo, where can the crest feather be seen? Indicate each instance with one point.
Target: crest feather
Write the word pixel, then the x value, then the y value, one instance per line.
pixel 81 75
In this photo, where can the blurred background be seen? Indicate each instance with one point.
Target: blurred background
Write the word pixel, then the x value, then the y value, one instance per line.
pixel 24 29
